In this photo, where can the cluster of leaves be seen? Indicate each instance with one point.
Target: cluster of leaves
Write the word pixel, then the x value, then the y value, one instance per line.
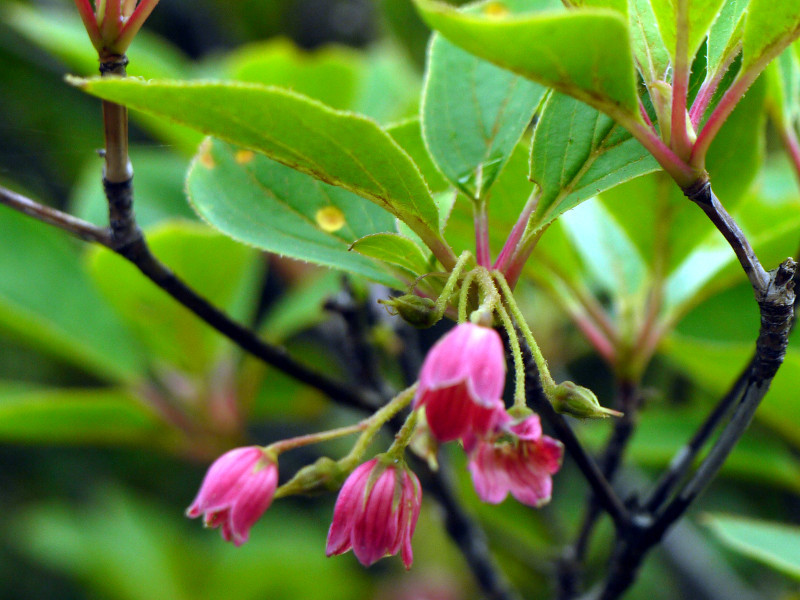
pixel 331 158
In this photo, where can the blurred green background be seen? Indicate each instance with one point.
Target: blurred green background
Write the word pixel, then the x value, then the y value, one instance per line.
pixel 113 400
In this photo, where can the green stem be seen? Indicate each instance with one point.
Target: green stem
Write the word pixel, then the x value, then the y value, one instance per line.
pixel 375 422
pixel 403 437
pixel 463 300
pixel 547 381
pixel 444 297
pixel 316 438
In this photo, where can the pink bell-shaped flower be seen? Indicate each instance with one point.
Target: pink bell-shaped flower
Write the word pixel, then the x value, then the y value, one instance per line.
pixel 461 383
pixel 376 513
pixel 520 461
pixel 236 491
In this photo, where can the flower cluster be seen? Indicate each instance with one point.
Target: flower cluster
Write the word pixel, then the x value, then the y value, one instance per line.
pixel 460 388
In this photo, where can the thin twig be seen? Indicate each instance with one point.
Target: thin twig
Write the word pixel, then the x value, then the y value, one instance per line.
pixel 77 227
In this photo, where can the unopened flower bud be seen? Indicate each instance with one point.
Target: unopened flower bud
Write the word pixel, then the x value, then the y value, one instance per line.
pixel 578 401
pixel 414 310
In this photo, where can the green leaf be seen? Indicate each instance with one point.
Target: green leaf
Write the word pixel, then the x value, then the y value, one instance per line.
pixel 74 416
pixel 330 74
pixel 651 54
pixel 606 250
pixel 273 207
pixel 473 114
pixel 218 268
pixel 48 301
pixel 776 545
pixel 396 250
pixel 725 34
pixel 408 134
pixel 769 28
pixel 699 16
pixel 542 46
pixel 335 147
pixel 783 76
pixel 577 153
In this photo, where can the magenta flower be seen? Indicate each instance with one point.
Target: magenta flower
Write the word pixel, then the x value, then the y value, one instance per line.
pixel 376 513
pixel 461 383
pixel 520 460
pixel 236 491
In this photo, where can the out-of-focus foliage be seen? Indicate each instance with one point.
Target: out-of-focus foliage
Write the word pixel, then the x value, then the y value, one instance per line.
pixel 93 355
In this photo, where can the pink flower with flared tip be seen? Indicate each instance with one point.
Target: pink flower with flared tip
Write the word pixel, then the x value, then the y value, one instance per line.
pixel 461 383
pixel 519 461
pixel 236 491
pixel 376 513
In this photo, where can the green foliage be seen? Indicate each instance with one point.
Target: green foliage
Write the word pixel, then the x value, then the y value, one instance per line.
pixel 335 147
pixel 692 17
pixel 273 207
pixel 577 153
pixel 74 416
pixel 541 46
pixel 47 300
pixel 773 544
pixel 473 114
pixel 768 29
pixel 221 270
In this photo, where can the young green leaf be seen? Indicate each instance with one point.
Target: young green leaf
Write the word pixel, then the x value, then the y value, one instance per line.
pixel 769 28
pixel 339 148
pixel 408 134
pixel 776 545
pixel 651 54
pixel 598 70
pixel 473 114
pixel 696 18
pixel 395 250
pixel 578 152
pixel 726 34
pixel 273 207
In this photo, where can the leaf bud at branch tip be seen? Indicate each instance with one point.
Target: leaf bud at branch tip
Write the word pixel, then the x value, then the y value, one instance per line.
pixel 578 401
pixel 414 310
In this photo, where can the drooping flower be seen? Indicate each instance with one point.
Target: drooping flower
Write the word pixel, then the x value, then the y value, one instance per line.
pixel 519 460
pixel 461 383
pixel 376 513
pixel 236 491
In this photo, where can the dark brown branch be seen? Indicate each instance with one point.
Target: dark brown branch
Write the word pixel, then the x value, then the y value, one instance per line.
pixel 702 195
pixel 776 303
pixel 606 497
pixel 683 459
pixel 572 560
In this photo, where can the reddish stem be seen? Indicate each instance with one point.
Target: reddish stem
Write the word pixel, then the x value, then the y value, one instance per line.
pixel 482 252
pixel 501 264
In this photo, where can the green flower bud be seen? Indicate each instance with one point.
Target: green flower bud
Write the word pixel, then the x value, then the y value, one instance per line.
pixel 580 402
pixel 414 310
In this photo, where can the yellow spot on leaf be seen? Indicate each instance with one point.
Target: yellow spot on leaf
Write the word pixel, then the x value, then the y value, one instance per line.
pixel 495 9
pixel 205 157
pixel 244 156
pixel 330 219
